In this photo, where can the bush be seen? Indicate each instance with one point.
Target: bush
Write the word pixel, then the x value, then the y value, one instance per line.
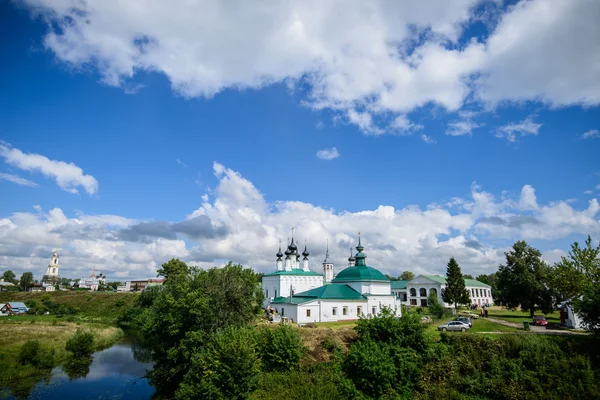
pixel 404 331
pixel 120 303
pixel 29 353
pixel 434 306
pixel 228 367
pixel 33 354
pixel 81 344
pixel 280 348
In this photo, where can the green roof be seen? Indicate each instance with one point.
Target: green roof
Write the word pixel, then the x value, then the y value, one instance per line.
pixel 468 282
pixel 331 292
pixel 295 271
pixel 399 284
pixel 360 273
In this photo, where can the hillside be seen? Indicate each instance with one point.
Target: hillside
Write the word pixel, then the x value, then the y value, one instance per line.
pixel 100 307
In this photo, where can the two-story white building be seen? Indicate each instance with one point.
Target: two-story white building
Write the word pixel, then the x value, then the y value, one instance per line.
pixel 417 290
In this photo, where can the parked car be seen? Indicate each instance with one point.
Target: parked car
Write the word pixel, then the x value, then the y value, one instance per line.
pixel 540 320
pixel 466 320
pixel 469 314
pixel 454 326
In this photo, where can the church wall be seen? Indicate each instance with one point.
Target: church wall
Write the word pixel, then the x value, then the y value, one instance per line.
pixel 478 295
pixel 371 287
pixel 327 313
pixel 376 303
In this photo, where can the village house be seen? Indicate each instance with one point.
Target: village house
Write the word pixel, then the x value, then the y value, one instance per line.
pixel 13 307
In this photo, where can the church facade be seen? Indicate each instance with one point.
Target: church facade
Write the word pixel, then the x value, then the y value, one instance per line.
pixel 306 297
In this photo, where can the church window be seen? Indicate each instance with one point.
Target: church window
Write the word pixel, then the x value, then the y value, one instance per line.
pixel 359 311
pixel 413 292
pixel 283 312
pixel 423 292
pixel 374 310
pixel 345 310
pixel 433 291
pixel 423 302
pixel 275 292
pixel 413 302
pixel 267 293
pixel 403 296
pixel 308 313
pixel 53 270
pixel 334 311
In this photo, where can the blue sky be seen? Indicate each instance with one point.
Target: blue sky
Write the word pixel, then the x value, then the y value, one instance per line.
pixel 458 103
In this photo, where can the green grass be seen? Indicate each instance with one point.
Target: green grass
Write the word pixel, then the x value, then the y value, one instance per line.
pixel 338 324
pixel 479 326
pixel 93 307
pixel 519 316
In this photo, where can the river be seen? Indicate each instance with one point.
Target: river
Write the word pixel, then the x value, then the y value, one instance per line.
pixel 115 373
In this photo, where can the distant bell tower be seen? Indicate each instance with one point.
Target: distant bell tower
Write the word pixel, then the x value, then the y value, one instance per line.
pixel 327 266
pixel 52 277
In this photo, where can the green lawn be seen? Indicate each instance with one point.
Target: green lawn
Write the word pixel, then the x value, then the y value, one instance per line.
pixel 520 316
pixel 479 325
pixel 338 324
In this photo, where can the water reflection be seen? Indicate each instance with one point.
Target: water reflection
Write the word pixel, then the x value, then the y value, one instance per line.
pixel 114 373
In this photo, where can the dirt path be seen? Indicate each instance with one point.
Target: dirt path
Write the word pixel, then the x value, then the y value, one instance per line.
pixel 540 330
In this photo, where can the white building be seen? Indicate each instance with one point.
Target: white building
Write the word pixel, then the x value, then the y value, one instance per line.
pixel 568 316
pixel 292 276
pixel 418 289
pixel 52 278
pixel 93 282
pixel 357 290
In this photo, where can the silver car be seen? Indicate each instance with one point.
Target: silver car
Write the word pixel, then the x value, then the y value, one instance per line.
pixel 454 326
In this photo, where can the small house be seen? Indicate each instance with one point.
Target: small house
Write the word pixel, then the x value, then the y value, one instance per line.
pixel 14 307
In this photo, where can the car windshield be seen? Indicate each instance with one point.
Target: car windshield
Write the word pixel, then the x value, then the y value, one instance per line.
pixel 539 317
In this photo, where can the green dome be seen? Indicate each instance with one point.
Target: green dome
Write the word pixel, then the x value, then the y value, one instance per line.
pixel 360 273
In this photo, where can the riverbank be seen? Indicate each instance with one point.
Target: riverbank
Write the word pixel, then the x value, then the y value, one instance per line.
pixel 52 334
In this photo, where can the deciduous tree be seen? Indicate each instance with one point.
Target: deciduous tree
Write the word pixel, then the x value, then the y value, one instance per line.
pixel 9 276
pixel 26 281
pixel 523 281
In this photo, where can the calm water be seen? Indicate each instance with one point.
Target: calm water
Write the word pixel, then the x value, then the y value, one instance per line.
pixel 114 373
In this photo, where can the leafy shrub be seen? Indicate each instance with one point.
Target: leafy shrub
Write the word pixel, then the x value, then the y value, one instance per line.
pixel 404 331
pixel 120 303
pixel 331 344
pixel 419 310
pixel 29 353
pixel 281 348
pixel 81 344
pixel 33 354
pixel 228 367
pixel 434 306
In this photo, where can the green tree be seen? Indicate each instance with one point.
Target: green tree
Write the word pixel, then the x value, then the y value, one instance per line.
pixel 81 344
pixel 581 269
pixel 173 268
pixel 523 281
pixel 492 280
pixel 434 305
pixel 26 281
pixel 228 367
pixel 9 276
pixel 407 276
pixel 189 310
pixel 468 276
pixel 455 291
pixel 281 348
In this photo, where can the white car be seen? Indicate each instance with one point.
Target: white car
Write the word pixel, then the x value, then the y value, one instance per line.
pixel 454 326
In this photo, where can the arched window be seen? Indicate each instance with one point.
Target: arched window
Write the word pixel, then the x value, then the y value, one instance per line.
pixel 275 292
pixel 423 292
pixel 413 292
pixel 267 293
pixel 433 291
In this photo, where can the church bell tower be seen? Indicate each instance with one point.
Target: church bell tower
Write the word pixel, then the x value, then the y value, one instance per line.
pixel 52 277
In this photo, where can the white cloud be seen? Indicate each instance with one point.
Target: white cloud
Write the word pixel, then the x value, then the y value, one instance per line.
pixel 358 58
pixel 67 175
pixel 525 127
pixel 591 134
pixel 476 230
pixel 17 180
pixel 328 154
pixel 184 165
pixel 428 139
pixel 460 128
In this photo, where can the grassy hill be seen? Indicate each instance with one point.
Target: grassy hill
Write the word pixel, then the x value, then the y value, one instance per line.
pixel 95 307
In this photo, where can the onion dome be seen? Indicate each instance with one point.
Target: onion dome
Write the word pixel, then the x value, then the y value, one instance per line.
pixel 292 247
pixel 305 252
pixel 279 253
pixel 351 258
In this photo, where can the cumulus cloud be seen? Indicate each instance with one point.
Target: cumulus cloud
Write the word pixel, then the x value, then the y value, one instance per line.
pixel 361 59
pixel 328 154
pixel 67 175
pixel 591 134
pixel 236 222
pixel 428 139
pixel 17 180
pixel 511 130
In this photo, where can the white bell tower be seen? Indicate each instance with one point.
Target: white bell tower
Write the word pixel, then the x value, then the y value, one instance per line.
pixel 53 266
pixel 327 266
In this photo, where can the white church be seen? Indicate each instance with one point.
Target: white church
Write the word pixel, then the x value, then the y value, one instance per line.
pixel 305 296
